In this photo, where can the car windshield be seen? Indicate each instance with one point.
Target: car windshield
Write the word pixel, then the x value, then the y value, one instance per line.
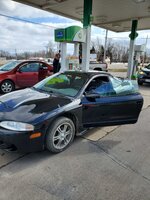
pixel 148 66
pixel 9 66
pixel 67 83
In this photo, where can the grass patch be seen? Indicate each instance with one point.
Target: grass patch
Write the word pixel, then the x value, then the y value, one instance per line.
pixel 117 70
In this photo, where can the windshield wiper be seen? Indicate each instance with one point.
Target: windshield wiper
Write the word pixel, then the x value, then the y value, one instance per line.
pixel 38 89
pixel 5 104
pixel 41 90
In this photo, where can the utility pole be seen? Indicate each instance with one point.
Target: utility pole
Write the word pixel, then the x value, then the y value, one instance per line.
pixel 105 45
pixel 145 51
pixel 16 54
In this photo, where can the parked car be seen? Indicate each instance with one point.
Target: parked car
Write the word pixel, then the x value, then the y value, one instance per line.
pixel 50 114
pixel 99 66
pixel 21 74
pixel 144 75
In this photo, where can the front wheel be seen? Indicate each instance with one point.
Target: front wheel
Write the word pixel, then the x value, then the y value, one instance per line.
pixel 140 82
pixel 60 135
pixel 7 86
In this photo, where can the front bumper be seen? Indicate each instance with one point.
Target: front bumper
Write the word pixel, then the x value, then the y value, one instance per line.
pixel 144 79
pixel 21 140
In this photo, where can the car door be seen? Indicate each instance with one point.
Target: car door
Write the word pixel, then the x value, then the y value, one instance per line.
pixel 43 71
pixel 109 107
pixel 27 75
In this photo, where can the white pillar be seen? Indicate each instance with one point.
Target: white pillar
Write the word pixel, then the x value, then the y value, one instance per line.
pixel 86 50
pixel 63 56
pixel 130 60
pixel 76 49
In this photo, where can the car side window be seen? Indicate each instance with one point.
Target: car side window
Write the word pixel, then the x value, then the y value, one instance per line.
pixel 101 85
pixel 42 66
pixel 123 86
pixel 30 67
pixel 148 66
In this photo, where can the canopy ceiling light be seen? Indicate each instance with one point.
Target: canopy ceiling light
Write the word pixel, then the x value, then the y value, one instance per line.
pixel 116 25
pixel 126 28
pixel 139 1
pixel 101 18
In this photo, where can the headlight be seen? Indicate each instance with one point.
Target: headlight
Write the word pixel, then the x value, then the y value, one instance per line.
pixel 141 72
pixel 16 126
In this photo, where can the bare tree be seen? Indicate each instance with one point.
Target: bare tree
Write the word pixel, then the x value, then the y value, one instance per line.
pixel 115 51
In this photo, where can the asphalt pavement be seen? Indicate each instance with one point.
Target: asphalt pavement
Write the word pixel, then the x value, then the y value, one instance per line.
pixel 109 163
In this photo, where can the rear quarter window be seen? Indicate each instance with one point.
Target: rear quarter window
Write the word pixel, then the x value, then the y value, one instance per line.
pixel 124 86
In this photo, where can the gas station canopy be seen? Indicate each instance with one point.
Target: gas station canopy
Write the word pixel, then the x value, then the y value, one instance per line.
pixel 114 15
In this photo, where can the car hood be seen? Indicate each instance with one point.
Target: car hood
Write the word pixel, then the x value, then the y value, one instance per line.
pixel 28 104
pixel 3 72
pixel 145 70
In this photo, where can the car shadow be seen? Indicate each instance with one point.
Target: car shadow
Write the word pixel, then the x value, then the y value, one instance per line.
pixel 106 145
pixel 145 85
pixel 80 147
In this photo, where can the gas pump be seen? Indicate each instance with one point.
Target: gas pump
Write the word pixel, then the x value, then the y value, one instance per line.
pixel 74 35
pixel 138 52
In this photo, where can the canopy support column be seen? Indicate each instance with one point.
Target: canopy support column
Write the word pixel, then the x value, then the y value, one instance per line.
pixel 87 27
pixel 132 36
pixel 76 49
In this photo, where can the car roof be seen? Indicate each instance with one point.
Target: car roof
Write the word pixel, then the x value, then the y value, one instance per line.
pixel 30 61
pixel 89 73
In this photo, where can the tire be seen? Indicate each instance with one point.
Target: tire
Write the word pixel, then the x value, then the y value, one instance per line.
pixel 98 69
pixel 7 86
pixel 57 138
pixel 140 82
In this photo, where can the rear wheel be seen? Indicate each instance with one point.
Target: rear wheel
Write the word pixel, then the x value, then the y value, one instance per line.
pixel 60 135
pixel 7 86
pixel 98 69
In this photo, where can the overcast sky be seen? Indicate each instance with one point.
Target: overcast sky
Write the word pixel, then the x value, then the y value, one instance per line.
pixel 23 36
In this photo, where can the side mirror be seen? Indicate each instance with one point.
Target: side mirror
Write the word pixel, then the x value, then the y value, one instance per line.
pixel 92 95
pixel 44 68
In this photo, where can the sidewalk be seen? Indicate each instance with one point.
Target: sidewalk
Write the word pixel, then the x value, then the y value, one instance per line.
pixel 100 166
pixel 113 168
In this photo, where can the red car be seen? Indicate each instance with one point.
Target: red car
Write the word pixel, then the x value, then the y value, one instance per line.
pixel 21 74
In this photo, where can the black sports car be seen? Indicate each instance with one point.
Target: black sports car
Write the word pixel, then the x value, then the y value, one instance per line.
pixel 56 109
pixel 144 75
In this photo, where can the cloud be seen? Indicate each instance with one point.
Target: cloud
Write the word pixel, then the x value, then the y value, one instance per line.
pixel 27 36
pixel 23 36
pixel 7 6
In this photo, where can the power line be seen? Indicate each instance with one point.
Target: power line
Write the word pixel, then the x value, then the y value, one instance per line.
pixel 126 38
pixel 26 21
pixel 36 23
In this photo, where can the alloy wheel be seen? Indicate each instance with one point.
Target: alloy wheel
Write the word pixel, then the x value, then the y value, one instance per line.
pixel 62 135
